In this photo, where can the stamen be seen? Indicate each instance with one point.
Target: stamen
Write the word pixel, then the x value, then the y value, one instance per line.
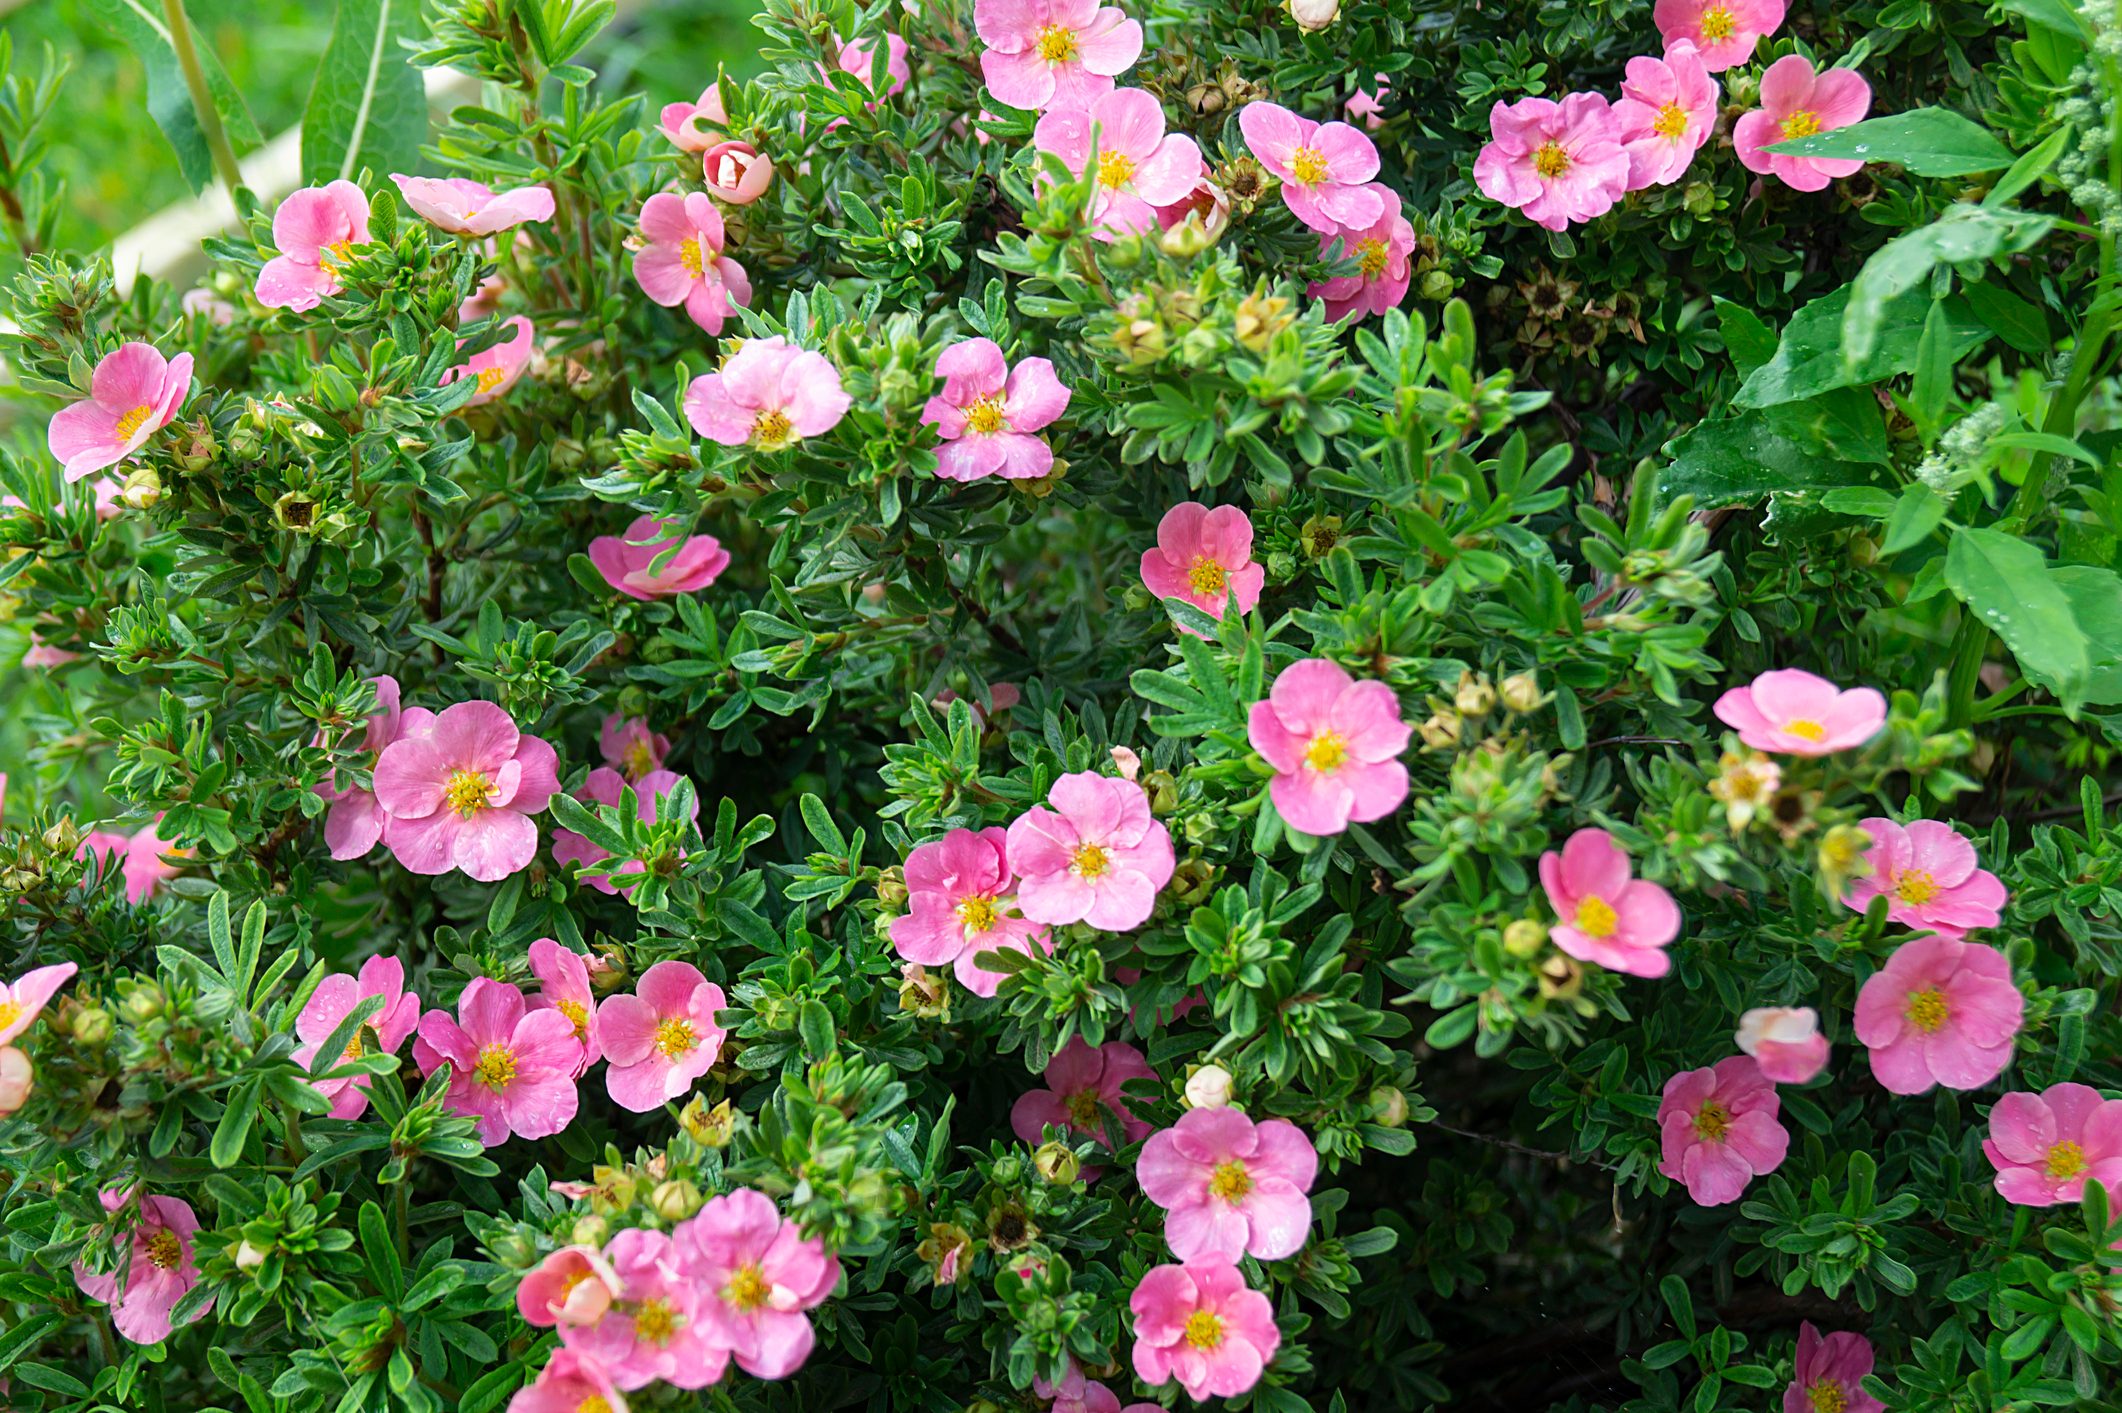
pixel 1596 917
pixel 1308 165
pixel 496 1068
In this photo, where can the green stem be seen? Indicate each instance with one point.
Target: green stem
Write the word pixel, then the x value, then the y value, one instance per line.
pixel 401 1213
pixel 180 39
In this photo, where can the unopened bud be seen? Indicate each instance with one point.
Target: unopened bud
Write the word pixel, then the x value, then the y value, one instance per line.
pixel 143 487
pixel 1056 1163
pixel 63 837
pixel 1474 696
pixel 675 1200
pixel 144 1002
pixel 1163 792
pixel 248 1257
pixel 1209 1087
pixel 1524 937
pixel 1388 1106
pixel 1441 732
pixel 92 1025
pixel 1521 693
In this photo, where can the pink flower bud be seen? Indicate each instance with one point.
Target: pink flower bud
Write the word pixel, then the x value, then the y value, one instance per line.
pixel 737 172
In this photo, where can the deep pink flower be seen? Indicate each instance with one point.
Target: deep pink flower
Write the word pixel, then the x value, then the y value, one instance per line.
pixel 660 1040
pixel 573 1286
pixel 158 1273
pixel 2045 1146
pixel 1602 914
pixel 1139 166
pixel 1796 102
pixel 1230 1187
pixel 563 986
pixel 1334 744
pixel 511 1068
pixel 1725 31
pixel 336 997
pixel 461 794
pixel 768 394
pixel 683 261
pixel 1941 1011
pixel 658 1331
pixel 498 367
pixel 134 393
pixel 354 823
pixel 1327 169
pixel 1053 53
pixel 1667 109
pixel 695 127
pixel 1077 1394
pixel 1785 1041
pixel 1384 253
pixel 627 562
pixel 1718 1130
pixel 1199 1323
pixel 1001 696
pixel 1793 713
pixel 607 787
pixel 570 1382
pixel 1081 1084
pixel 470 208
pixel 315 229
pixel 1928 872
pixel 738 173
pixel 1205 557
pixel 960 903
pixel 1097 856
pixel 630 747
pixel 988 411
pixel 756 1274
pixel 1367 106
pixel 1556 162
pixel 1208 205
pixel 1829 1377
pixel 24 999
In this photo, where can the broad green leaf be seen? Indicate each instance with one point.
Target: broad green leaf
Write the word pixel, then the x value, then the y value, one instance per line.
pixel 2018 322
pixel 1730 460
pixel 139 23
pixel 1842 424
pixel 2060 16
pixel 2095 596
pixel 1884 302
pixel 2009 586
pixel 368 107
pixel 1930 142
pixel 1811 357
pixel 1914 516
pixel 1748 340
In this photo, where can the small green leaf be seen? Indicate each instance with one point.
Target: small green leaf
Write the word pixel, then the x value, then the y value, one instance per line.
pixel 1930 142
pixel 2007 584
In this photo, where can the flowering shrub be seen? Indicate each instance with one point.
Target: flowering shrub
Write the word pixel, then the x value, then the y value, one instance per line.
pixel 1081 705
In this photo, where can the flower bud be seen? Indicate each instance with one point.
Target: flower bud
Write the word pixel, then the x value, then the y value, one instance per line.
pixel 1163 792
pixel 1520 693
pixel 1441 732
pixel 1313 15
pixel 92 1025
pixel 1437 285
pixel 248 1257
pixel 17 1078
pixel 736 172
pixel 924 993
pixel 1699 199
pixel 1130 764
pixel 1056 1163
pixel 143 487
pixel 1208 1087
pixel 63 837
pixel 143 1002
pixel 710 1128
pixel 589 1230
pixel 1388 1107
pixel 1205 100
pixel 1524 937
pixel 1474 696
pixel 675 1200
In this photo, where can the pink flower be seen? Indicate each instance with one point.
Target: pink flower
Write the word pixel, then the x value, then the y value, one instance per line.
pixel 24 999
pixel 1667 109
pixel 1230 1187
pixel 757 1274
pixel 483 301
pixel 511 1068
pixel 683 261
pixel 988 411
pixel 1556 162
pixel 1076 1394
pixel 17 1079
pixel 1207 205
pixel 315 230
pixel 1384 254
pixel 1830 1373
pixel 769 394
pixel 658 1331
pixel 159 1272
pixel 1718 1130
pixel 354 823
pixel 660 1040
pixel 570 1382
pixel 573 1286
pixel 1327 169
pixel 563 986
pixel 630 747
pixel 1603 915
pixel 1796 103
pixel 1053 53
pixel 1001 696
pixel 1139 166
pixel 1334 744
pixel 336 997
pixel 627 563
pixel 1081 1084
pixel 858 57
pixel 607 787
pixel 470 208
pixel 1200 1324
pixel 208 305
pixel 738 173
pixel 45 655
pixel 1929 876
pixel 695 127
pixel 960 905
pixel 1725 31
pixel 2045 1146
pixel 1794 713
pixel 1941 1011
pixel 496 368
pixel 140 855
pixel 133 394
pixel 1367 106
pixel 1205 557
pixel 1785 1041
pixel 1095 857
pixel 462 793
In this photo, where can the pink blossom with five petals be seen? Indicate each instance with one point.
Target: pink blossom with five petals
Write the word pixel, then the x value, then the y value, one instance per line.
pixel 461 793
pixel 769 394
pixel 627 561
pixel 1796 102
pixel 1718 1129
pixel 1096 856
pixel 1053 53
pixel 1941 1011
pixel 683 261
pixel 1138 166
pixel 1328 170
pixel 1204 556
pixel 757 1273
pixel 1200 1324
pixel 1555 162
pixel 315 229
pixel 988 412
pixel 1928 872
pixel 960 903
pixel 134 393
pixel 511 1068
pixel 338 996
pixel 1334 744
pixel 468 208
pixel 1602 914
pixel 1230 1187
pixel 2046 1146
pixel 1791 712
pixel 660 1040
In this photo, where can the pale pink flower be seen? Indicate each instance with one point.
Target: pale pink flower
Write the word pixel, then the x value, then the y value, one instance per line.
pixel 1077 1394
pixel 1334 744
pixel 159 1271
pixel 1384 253
pixel 1095 857
pixel 1941 1011
pixel 1556 162
pixel 695 127
pixel 337 996
pixel 1082 1083
pixel 627 561
pixel 738 173
pixel 1200 1324
pixel 1367 105
pixel 140 855
pixel 483 302
pixel 497 368
pixel 573 1286
pixel 511 1068
pixel 570 1382
pixel 987 413
pixel 1053 53
pixel 658 1331
pixel 1001 696
pixel 1666 111
pixel 683 261
pixel 2045 1146
pixel 1796 102
pixel 769 394
pixel 630 747
pixel 1718 1130
pixel 858 57
pixel 1602 914
pixel 1205 557
pixel 1785 1041
pixel 461 794
pixel 315 230
pixel 757 1273
pixel 208 305
pixel 607 787
pixel 1928 872
pixel 1139 166
pixel 1207 205
pixel 469 208
pixel 960 904
pixel 24 999
pixel 1791 712
pixel 1328 170
pixel 563 986
pixel 354 823
pixel 134 393
pixel 17 1079
pixel 660 1040
pixel 1725 31
pixel 1230 1187
pixel 1829 1374
pixel 41 654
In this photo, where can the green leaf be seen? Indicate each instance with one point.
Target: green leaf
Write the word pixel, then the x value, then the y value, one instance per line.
pixel 1884 312
pixel 2008 585
pixel 235 1125
pixel 1733 460
pixel 2096 602
pixel 1814 357
pixel 2059 16
pixel 1930 142
pixel 1914 516
pixel 169 101
pixel 368 106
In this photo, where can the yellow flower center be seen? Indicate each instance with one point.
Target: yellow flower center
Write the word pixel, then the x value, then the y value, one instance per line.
pixel 1204 1329
pixel 1805 730
pixel 1800 124
pixel 1927 1010
pixel 1308 166
pixel 1915 886
pixel 165 1249
pixel 1057 45
pixel 595 1403
pixel 748 1288
pixel 496 1068
pixel 354 1047
pixel 1596 917
pixel 329 258
pixel 1550 161
pixel 1371 257
pixel 986 416
pixel 674 1037
pixel 1083 1110
pixel 1827 1396
pixel 10 1012
pixel 640 758
pixel 2065 1160
pixel 577 1015
pixel 1670 122
pixel 976 914
pixel 1711 1122
pixel 657 1320
pixel 689 256
pixel 1718 23
pixel 1090 861
pixel 772 430
pixel 1205 576
pixel 1230 1181
pixel 1115 169
pixel 132 422
pixel 491 378
pixel 466 791
pixel 1327 750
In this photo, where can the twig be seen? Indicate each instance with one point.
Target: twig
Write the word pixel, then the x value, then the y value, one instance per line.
pixel 180 39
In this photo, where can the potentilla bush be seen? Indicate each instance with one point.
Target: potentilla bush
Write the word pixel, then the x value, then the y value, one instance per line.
pixel 1076 705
